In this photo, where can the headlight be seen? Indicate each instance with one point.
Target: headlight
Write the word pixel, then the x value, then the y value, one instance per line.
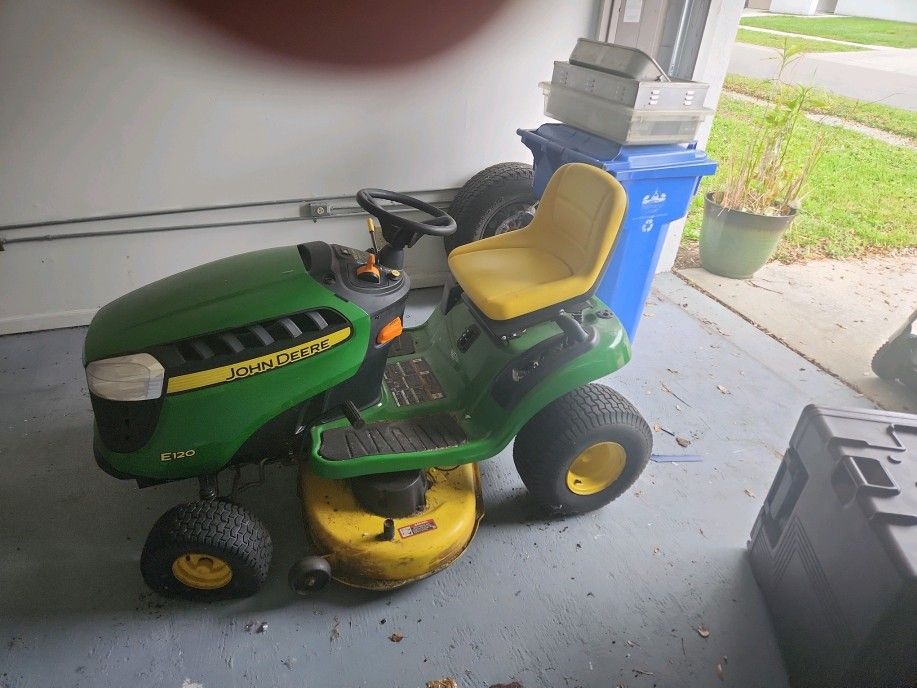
pixel 126 378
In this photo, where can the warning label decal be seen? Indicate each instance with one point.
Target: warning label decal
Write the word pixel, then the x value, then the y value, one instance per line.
pixel 417 528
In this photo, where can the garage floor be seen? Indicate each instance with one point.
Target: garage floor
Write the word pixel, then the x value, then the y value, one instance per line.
pixel 610 598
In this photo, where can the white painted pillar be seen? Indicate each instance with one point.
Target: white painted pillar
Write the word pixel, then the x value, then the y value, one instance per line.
pixel 712 62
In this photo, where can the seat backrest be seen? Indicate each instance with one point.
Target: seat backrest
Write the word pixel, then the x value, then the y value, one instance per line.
pixel 579 217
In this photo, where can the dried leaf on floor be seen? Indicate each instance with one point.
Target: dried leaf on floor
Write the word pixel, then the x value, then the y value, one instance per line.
pixel 764 288
pixel 396 637
pixel 682 441
pixel 722 389
pixel 720 671
pixel 749 492
pixel 703 631
pixel 442 683
pixel 666 388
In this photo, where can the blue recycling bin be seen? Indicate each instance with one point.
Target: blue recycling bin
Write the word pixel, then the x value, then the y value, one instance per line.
pixel 660 182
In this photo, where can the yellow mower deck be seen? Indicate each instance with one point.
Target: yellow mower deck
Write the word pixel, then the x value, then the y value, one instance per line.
pixel 424 543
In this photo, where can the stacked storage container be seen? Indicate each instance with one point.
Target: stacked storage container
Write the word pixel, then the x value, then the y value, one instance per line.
pixel 622 94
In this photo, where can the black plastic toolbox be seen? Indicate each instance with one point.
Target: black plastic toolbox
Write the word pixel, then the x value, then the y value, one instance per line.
pixel 834 549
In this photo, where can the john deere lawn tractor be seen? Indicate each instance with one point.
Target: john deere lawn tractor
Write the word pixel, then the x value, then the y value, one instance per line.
pixel 299 354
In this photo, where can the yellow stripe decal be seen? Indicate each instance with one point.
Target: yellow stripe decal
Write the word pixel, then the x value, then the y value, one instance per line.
pixel 255 366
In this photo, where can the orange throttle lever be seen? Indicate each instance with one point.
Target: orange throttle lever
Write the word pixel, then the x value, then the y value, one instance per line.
pixel 368 272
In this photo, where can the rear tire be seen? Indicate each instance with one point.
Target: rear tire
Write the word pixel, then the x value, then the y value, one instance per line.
pixel 488 200
pixel 206 551
pixel 583 450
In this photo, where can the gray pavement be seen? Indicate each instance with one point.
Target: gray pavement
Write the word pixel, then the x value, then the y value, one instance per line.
pixel 836 313
pixel 886 76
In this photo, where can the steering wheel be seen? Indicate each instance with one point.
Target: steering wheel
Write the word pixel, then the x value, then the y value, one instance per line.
pixel 400 231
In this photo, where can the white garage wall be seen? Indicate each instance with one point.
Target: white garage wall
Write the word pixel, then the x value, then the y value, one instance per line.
pixel 794 6
pixel 109 107
pixel 901 10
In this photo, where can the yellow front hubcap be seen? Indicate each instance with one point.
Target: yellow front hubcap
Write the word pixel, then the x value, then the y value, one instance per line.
pixel 596 468
pixel 201 571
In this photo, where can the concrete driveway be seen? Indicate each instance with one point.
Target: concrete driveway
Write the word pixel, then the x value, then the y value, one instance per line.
pixel 849 309
pixel 888 76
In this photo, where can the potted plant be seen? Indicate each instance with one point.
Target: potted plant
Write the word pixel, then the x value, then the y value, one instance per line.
pixel 761 188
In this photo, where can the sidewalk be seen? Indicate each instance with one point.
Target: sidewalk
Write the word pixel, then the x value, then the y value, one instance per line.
pixel 888 76
pixel 800 36
pixel 835 313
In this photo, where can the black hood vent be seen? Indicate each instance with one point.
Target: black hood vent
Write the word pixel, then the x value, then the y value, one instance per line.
pixel 256 339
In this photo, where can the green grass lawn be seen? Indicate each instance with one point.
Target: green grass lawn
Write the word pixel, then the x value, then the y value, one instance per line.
pixel 860 198
pixel 890 119
pixel 856 29
pixel 772 40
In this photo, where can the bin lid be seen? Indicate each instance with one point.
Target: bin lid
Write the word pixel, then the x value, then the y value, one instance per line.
pixel 878 450
pixel 624 162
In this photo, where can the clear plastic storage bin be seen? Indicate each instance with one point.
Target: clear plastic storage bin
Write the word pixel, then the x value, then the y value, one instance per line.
pixel 619 123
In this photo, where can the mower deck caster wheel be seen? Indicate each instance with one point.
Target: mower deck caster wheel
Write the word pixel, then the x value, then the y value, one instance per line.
pixel 309 574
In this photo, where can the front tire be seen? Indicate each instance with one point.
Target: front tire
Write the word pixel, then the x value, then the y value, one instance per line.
pixel 206 551
pixel 582 450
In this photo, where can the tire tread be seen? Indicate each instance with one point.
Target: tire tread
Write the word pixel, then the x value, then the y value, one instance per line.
pixel 218 524
pixel 557 427
pixel 472 202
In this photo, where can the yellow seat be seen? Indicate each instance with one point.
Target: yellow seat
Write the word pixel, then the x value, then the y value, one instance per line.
pixel 558 257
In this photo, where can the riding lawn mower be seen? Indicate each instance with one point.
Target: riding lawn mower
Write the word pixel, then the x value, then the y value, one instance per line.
pixel 299 354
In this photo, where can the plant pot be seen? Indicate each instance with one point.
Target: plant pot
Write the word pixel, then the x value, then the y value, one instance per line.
pixel 737 244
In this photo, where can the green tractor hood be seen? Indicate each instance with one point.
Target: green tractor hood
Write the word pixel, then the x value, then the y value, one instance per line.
pixel 224 294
